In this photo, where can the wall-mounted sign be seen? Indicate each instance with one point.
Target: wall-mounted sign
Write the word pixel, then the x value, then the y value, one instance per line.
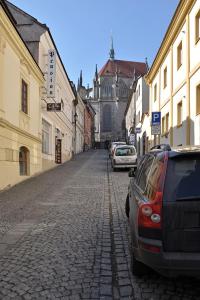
pixel 155 129
pixel 155 123
pixel 53 106
pixel 58 152
pixel 138 130
pixel 51 76
pixel 132 139
pixel 156 118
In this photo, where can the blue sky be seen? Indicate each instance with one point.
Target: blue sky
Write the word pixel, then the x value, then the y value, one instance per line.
pixel 82 28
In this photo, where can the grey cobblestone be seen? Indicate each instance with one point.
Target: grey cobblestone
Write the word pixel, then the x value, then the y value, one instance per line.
pixel 64 235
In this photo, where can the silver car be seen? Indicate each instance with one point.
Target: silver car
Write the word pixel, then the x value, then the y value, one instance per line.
pixel 124 156
pixel 113 145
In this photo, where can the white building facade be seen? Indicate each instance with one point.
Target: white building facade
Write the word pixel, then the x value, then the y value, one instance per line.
pixel 137 116
pixel 174 78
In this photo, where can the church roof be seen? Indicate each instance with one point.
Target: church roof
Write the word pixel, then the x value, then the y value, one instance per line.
pixel 124 68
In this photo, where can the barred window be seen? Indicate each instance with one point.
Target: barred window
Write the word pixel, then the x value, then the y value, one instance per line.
pixel 46 135
pixel 24 97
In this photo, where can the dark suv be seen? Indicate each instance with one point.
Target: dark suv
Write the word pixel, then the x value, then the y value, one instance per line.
pixel 163 207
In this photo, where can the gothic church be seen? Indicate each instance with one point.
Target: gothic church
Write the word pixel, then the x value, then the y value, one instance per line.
pixel 111 91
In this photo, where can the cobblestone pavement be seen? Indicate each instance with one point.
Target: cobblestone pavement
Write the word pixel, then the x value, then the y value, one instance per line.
pixel 64 235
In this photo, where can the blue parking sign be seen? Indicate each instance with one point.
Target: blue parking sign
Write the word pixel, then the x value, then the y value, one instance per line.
pixel 156 118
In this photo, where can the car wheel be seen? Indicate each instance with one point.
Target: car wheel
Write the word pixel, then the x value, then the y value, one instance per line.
pixel 127 207
pixel 138 268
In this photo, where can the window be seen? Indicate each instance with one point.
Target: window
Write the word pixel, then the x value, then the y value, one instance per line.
pixel 23 161
pixel 197 27
pixel 62 104
pixel 155 181
pixel 179 55
pixel 46 135
pixel 167 122
pixel 163 125
pixel 107 118
pixel 155 92
pixel 179 114
pixel 145 172
pixel 198 99
pixel 24 97
pixel 165 78
pixel 139 90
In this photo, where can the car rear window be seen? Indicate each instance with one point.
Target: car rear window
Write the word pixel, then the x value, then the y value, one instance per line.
pixel 129 151
pixel 182 179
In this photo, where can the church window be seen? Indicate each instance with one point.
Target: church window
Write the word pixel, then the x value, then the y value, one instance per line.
pixel 107 118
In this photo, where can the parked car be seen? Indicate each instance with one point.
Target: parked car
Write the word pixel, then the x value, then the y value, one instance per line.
pixel 163 207
pixel 113 145
pixel 124 156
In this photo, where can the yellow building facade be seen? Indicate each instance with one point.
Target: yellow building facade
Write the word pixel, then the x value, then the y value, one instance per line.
pixel 174 78
pixel 20 106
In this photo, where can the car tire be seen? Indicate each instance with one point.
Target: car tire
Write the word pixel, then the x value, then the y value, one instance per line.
pixel 127 207
pixel 138 268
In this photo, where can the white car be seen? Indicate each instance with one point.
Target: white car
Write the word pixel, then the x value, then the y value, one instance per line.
pixel 113 145
pixel 124 156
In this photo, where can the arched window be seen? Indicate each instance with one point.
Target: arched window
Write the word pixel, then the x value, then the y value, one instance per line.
pixel 23 161
pixel 107 118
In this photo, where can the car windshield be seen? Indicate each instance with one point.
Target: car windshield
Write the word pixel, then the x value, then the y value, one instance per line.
pixel 129 151
pixel 182 181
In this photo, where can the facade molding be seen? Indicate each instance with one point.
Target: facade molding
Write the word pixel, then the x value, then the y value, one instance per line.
pixel 6 124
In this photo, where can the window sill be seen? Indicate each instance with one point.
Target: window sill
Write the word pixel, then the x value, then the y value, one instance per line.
pixel 24 114
pixel 197 40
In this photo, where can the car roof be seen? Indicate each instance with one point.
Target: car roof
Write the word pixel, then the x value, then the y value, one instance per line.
pixel 176 151
pixel 125 146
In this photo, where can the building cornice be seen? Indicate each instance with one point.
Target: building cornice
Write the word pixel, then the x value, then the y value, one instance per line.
pixel 6 124
pixel 182 10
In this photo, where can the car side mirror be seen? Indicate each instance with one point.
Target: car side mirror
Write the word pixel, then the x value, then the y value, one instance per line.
pixel 131 173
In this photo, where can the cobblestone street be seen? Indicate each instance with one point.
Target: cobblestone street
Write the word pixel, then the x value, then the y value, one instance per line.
pixel 64 235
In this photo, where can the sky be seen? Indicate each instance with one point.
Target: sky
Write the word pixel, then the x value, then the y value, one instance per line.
pixel 82 30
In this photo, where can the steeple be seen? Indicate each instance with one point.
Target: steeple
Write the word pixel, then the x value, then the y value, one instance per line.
pixel 96 74
pixel 112 51
pixel 147 65
pixel 81 79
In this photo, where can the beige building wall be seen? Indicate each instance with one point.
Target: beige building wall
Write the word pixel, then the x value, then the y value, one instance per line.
pixel 178 99
pixel 18 129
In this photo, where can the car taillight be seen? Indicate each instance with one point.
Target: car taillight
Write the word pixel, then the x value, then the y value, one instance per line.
pixel 149 214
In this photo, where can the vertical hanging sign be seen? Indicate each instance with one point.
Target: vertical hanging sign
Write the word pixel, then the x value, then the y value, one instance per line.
pixel 51 73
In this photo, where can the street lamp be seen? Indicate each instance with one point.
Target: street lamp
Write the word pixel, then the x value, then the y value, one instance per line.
pixel 74 122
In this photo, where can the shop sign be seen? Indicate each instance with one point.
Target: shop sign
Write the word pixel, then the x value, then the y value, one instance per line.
pixel 58 153
pixel 51 76
pixel 53 106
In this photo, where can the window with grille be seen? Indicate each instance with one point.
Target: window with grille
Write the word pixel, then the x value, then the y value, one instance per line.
pixel 198 99
pixel 179 114
pixel 165 78
pixel 167 122
pixel 197 26
pixel 155 92
pixel 179 55
pixel 23 161
pixel 46 135
pixel 24 97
